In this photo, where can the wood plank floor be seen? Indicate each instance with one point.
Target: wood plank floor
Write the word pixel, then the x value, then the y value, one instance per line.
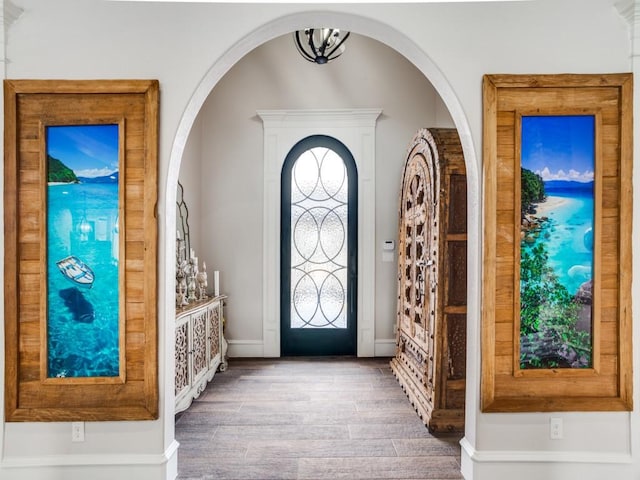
pixel 309 418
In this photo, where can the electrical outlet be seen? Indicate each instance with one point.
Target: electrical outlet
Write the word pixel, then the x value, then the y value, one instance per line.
pixel 555 428
pixel 77 432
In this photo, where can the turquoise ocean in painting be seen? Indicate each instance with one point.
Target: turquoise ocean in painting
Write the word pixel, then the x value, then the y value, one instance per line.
pixel 82 322
pixel 568 236
pixel 560 150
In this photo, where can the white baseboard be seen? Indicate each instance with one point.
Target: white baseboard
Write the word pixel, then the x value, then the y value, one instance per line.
pixel 245 348
pixel 255 348
pixel 385 348
pixel 526 465
pixel 97 467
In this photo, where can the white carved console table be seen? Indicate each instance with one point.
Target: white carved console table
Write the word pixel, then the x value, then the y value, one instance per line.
pixel 200 348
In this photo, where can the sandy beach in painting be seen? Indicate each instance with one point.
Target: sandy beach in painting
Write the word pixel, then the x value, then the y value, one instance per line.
pixel 543 209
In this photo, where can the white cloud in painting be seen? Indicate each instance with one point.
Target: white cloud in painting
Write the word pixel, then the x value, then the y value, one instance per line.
pixel 95 172
pixel 571 176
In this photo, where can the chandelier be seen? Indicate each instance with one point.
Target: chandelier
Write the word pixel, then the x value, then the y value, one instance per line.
pixel 320 45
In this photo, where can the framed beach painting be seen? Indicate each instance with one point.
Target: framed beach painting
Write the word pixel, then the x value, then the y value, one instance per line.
pixel 556 313
pixel 83 251
pixel 80 250
pixel 557 171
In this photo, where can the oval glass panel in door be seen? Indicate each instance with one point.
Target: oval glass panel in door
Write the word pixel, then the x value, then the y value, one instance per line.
pixel 319 226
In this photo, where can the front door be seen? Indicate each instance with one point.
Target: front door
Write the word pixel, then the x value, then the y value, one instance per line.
pixel 319 221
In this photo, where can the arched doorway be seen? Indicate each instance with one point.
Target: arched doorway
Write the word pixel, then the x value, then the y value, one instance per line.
pixel 402 44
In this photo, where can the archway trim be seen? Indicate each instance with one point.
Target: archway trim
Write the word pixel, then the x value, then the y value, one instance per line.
pixel 416 55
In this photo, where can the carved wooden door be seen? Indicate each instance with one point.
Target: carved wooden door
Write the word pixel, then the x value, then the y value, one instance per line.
pixel 417 255
pixel 431 334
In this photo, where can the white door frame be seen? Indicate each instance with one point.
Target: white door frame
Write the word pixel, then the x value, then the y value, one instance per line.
pixel 282 130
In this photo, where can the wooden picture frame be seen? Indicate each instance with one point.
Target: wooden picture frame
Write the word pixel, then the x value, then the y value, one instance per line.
pixel 601 380
pixel 45 380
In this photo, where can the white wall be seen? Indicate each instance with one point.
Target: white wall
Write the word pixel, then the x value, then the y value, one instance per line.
pixel 275 76
pixel 190 180
pixel 189 47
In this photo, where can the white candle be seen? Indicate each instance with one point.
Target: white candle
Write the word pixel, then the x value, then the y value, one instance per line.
pixel 191 253
pixel 216 283
pixel 178 234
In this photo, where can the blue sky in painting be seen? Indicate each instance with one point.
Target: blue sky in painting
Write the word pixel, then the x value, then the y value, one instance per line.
pixel 88 150
pixel 559 147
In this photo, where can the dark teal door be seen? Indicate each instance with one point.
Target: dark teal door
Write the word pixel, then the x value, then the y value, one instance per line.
pixel 319 256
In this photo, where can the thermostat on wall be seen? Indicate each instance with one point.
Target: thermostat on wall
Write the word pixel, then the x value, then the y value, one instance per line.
pixel 388 246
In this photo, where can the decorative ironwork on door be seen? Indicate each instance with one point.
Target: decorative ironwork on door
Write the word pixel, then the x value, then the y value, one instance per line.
pixel 319 223
pixel 319 255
